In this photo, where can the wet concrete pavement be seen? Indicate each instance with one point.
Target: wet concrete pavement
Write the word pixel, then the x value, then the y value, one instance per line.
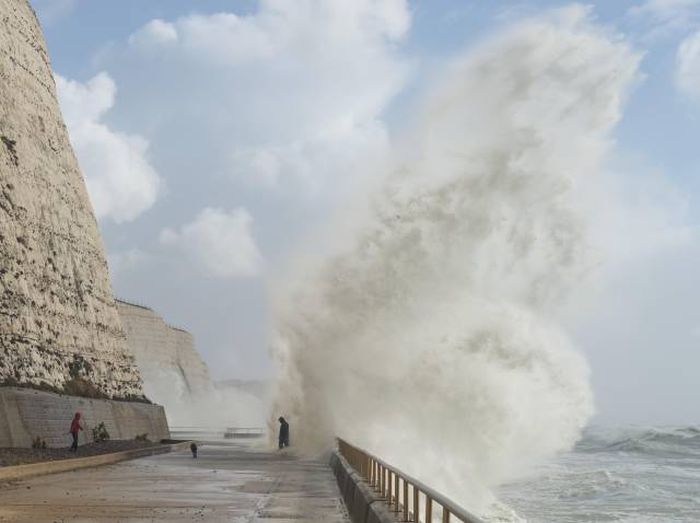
pixel 227 483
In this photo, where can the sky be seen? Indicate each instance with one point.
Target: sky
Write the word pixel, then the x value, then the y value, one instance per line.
pixel 216 136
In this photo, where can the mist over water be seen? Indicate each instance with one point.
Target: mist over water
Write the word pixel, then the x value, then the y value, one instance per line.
pixel 206 406
pixel 430 335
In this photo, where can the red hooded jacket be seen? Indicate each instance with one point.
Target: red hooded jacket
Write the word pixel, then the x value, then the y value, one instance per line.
pixel 75 424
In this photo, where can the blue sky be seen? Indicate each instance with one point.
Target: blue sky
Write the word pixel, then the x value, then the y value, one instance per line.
pixel 183 113
pixel 438 32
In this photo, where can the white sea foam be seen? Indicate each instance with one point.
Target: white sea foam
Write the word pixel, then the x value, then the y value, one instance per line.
pixel 621 474
pixel 430 336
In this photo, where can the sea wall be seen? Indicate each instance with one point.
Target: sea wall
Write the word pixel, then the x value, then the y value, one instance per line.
pixel 166 356
pixel 58 319
pixel 364 505
pixel 26 414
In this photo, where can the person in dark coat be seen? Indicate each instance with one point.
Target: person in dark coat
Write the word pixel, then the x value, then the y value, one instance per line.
pixel 75 427
pixel 284 433
pixel 193 449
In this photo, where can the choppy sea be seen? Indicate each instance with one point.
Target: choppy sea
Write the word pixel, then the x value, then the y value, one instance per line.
pixel 631 474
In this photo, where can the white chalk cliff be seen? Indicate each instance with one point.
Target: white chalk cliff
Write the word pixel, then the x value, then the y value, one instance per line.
pixel 172 369
pixel 58 319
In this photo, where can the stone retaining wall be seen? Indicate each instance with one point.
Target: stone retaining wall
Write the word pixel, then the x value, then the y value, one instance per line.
pixel 26 414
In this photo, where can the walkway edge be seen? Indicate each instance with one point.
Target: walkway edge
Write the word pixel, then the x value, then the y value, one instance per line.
pixel 360 500
pixel 64 465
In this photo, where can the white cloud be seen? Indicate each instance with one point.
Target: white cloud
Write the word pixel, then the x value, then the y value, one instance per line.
pixel 290 95
pixel 665 17
pixel 154 33
pixel 309 160
pixel 126 260
pixel 220 243
pixel 688 66
pixel 121 181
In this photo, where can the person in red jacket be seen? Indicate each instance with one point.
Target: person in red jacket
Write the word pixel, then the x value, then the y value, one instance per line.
pixel 75 427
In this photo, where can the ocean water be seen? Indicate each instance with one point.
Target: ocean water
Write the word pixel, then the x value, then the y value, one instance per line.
pixel 631 474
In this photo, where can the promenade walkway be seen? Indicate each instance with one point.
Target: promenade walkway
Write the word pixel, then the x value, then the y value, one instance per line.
pixel 230 482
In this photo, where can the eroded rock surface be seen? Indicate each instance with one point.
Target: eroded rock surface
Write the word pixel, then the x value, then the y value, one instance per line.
pixel 58 319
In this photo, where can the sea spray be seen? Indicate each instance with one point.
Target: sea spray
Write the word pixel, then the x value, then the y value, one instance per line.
pixel 430 335
pixel 209 406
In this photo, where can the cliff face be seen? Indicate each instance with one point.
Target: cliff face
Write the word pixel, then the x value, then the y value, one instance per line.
pixel 175 376
pixel 58 318
pixel 166 356
pixel 194 369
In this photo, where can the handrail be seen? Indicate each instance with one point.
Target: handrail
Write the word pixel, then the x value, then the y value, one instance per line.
pixel 256 430
pixel 394 487
pixel 246 429
pixel 244 432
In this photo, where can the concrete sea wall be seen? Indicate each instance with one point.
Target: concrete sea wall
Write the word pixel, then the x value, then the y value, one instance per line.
pixel 363 504
pixel 58 319
pixel 26 414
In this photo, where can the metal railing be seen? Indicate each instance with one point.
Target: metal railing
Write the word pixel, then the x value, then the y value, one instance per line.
pixel 219 432
pixel 244 432
pixel 406 496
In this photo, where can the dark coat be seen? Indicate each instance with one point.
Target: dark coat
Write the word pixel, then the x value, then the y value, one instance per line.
pixel 284 431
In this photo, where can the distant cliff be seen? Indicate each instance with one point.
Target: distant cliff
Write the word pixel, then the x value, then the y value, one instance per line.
pixel 59 326
pixel 175 376
pixel 172 369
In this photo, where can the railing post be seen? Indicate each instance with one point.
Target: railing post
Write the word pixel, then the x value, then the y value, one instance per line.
pixel 397 508
pixel 428 509
pixel 445 515
pixel 381 480
pixel 416 504
pixel 405 500
pixel 389 487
